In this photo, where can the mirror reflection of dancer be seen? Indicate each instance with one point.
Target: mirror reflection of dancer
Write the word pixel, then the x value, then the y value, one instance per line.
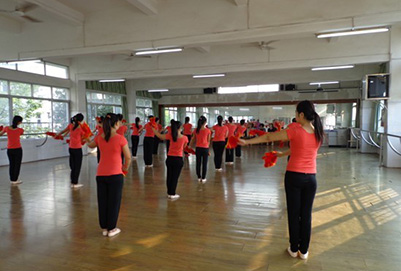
pixel 240 131
pixel 109 176
pixel 75 149
pixel 174 161
pixel 300 177
pixel 232 128
pixel 148 144
pixel 136 132
pixel 99 131
pixel 14 149
pixel 187 131
pixel 156 140
pixel 219 142
pixel 201 136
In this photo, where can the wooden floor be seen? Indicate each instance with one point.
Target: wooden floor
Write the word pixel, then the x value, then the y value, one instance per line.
pixel 235 221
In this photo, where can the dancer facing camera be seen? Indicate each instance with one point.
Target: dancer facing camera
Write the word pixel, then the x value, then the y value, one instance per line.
pixel 14 149
pixel 136 132
pixel 75 147
pixel 109 176
pixel 174 161
pixel 201 136
pixel 300 176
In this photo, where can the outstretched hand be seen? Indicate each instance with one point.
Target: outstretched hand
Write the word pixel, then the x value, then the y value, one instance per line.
pixel 242 142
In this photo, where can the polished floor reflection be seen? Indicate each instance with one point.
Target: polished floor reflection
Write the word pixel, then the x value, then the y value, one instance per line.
pixel 235 221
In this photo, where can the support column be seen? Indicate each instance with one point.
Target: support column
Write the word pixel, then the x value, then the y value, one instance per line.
pixel 131 100
pixel 78 99
pixel 393 120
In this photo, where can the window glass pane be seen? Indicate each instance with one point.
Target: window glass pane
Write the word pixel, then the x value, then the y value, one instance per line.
pixel 20 89
pixel 108 99
pixel 91 119
pixel 41 91
pixel 97 97
pixel 148 103
pixel 32 67
pixel 60 116
pixel 8 66
pixel 117 110
pixel 102 110
pixel 3 87
pixel 140 112
pixel 36 114
pixel 60 94
pixel 56 71
pixel 140 102
pixel 117 99
pixel 4 112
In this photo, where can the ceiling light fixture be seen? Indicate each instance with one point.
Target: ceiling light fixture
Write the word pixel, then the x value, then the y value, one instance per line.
pixel 244 109
pixel 111 80
pixel 158 90
pixel 209 75
pixel 323 83
pixel 351 32
pixel 333 68
pixel 158 51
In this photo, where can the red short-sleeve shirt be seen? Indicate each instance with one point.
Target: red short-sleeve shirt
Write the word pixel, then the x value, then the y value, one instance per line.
pixel 110 161
pixel 187 129
pixel 122 130
pixel 135 131
pixel 13 136
pixel 202 138
pixel 220 133
pixel 75 136
pixel 149 131
pixel 176 148
pixel 303 150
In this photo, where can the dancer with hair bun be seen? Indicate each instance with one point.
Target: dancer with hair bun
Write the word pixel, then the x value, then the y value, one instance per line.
pixel 109 176
pixel 300 176
pixel 174 161
pixel 14 149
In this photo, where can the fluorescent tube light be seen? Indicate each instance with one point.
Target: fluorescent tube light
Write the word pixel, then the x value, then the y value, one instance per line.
pixel 111 80
pixel 277 108
pixel 333 68
pixel 323 83
pixel 208 75
pixel 157 90
pixel 352 32
pixel 244 109
pixel 158 51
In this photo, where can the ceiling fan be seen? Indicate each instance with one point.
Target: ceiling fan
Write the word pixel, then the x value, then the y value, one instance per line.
pixel 318 90
pixel 21 12
pixel 262 45
pixel 131 57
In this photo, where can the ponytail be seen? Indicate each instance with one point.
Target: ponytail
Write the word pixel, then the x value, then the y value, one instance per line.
pixel 310 114
pixel 186 120
pixel 230 119
pixel 16 121
pixel 242 122
pixel 175 125
pixel 137 120
pixel 109 122
pixel 220 120
pixel 201 121
pixel 76 120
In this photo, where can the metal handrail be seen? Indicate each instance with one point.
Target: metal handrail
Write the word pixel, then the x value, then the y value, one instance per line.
pixel 392 147
pixel 366 141
pixel 373 142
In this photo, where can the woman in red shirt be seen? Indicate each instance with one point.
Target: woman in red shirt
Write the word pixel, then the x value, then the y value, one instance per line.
pixel 148 144
pixel 167 130
pixel 241 132
pixel 231 131
pixel 300 177
pixel 136 132
pixel 109 176
pixel 219 142
pixel 99 131
pixel 174 161
pixel 122 127
pixel 14 150
pixel 187 131
pixel 156 140
pixel 202 137
pixel 75 150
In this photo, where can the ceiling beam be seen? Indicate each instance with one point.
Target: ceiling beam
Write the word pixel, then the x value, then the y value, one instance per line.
pixel 149 7
pixel 72 16
pixel 10 25
pixel 241 2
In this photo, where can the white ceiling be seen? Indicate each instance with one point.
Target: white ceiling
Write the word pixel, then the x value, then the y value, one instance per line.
pixel 96 37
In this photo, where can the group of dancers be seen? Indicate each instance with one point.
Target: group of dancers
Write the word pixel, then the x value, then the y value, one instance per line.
pixel 114 159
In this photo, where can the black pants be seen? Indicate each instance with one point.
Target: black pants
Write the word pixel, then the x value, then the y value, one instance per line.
pixel 238 151
pixel 229 155
pixel 109 192
pixel 167 145
pixel 148 150
pixel 202 156
pixel 75 164
pixel 218 148
pixel 98 155
pixel 156 142
pixel 300 189
pixel 174 165
pixel 15 158
pixel 135 142
pixel 189 141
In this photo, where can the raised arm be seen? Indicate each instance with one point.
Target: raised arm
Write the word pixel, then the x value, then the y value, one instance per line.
pixel 269 137
pixel 159 135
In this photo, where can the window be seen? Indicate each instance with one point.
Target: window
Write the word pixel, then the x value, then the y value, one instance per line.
pixel 169 114
pixel 191 113
pixel 99 104
pixel 143 108
pixel 38 67
pixel 40 110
